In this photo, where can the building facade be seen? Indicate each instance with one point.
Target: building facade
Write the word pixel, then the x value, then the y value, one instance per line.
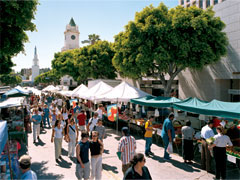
pixel 35 66
pixel 199 3
pixel 220 80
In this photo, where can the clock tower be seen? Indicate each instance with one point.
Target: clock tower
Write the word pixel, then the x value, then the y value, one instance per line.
pixel 71 36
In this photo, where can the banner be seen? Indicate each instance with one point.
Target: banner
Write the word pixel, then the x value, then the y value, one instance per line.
pixel 73 102
pixel 112 112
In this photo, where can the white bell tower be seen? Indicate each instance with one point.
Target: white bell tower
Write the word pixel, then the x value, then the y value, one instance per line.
pixel 71 34
pixel 35 66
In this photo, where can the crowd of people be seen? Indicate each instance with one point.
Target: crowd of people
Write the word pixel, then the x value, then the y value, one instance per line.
pixel 68 122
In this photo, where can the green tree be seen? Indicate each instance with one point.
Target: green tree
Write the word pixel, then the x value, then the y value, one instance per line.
pixel 16 17
pixel 10 79
pixel 92 39
pixel 48 78
pixel 92 61
pixel 162 42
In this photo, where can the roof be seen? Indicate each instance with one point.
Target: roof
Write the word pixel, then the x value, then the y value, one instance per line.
pixel 72 23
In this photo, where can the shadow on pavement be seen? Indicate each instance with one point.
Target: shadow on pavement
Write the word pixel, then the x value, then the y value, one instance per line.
pixel 110 168
pixel 158 158
pixel 106 151
pixel 64 152
pixel 183 166
pixel 64 164
pixel 40 169
pixel 40 143
pixel 108 135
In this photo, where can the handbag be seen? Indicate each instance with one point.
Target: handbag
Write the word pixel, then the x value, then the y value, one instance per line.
pixel 170 148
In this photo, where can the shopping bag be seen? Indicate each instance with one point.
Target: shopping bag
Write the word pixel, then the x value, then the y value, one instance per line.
pixel 170 148
pixel 119 155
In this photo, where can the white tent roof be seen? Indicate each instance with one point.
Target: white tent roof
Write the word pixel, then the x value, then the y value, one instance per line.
pixel 97 90
pixel 22 89
pixel 122 93
pixel 34 91
pixel 80 90
pixel 12 102
pixel 50 88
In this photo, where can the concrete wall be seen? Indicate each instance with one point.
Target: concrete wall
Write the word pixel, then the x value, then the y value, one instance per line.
pixel 214 80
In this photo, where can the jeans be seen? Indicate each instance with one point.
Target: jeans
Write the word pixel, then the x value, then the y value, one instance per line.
pixel 148 145
pixel 44 120
pixel 166 155
pixel 71 146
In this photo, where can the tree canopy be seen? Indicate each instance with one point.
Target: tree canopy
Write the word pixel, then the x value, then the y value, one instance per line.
pixel 92 61
pixel 16 17
pixel 48 77
pixel 10 79
pixel 162 42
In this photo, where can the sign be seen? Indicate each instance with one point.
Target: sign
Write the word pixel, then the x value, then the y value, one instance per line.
pixel 231 159
pixel 234 91
pixel 73 102
pixel 112 112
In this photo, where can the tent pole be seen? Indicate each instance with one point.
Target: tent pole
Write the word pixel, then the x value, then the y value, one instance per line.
pixel 9 157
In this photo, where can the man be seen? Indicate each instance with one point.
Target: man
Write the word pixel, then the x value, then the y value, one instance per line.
pixel 168 134
pixel 81 120
pixel 206 133
pixel 36 118
pixel 127 147
pixel 148 136
pixel 46 115
pixel 76 111
pixel 100 129
pixel 93 122
pixel 100 111
pixel 25 164
pixel 82 153
pixel 59 103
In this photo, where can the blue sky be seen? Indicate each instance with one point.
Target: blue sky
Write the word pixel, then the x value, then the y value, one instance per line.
pixel 103 17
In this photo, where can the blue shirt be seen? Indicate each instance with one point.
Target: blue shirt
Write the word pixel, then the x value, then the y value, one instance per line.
pixel 29 175
pixel 76 108
pixel 84 151
pixel 46 111
pixel 38 119
pixel 54 117
pixel 207 132
pixel 49 99
pixel 166 126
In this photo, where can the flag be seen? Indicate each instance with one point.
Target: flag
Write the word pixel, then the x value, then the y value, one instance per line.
pixel 112 112
pixel 73 102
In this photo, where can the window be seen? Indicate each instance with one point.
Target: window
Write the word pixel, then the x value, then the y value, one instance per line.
pixel 215 2
pixel 208 3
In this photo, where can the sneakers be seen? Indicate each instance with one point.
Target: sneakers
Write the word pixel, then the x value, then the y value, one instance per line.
pixel 57 161
pixel 151 153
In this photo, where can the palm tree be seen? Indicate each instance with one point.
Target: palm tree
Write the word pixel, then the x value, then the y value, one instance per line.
pixel 92 39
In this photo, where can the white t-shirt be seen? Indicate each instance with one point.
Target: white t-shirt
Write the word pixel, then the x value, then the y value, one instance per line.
pixel 222 140
pixel 63 123
pixel 59 102
pixel 58 132
pixel 65 116
pixel 99 111
pixel 93 123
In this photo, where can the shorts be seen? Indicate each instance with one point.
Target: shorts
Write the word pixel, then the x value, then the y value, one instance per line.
pixel 83 172
pixel 82 128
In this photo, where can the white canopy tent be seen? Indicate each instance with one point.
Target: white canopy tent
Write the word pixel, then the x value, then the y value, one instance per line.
pixel 124 92
pixel 97 90
pixel 34 91
pixel 51 88
pixel 80 90
pixel 22 89
pixel 13 102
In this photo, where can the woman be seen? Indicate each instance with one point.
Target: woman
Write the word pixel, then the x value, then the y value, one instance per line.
pixel 65 117
pixel 57 136
pixel 187 135
pixel 72 136
pixel 96 148
pixel 137 170
pixel 219 150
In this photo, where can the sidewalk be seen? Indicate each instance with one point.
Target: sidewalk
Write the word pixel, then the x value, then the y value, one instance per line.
pixel 43 161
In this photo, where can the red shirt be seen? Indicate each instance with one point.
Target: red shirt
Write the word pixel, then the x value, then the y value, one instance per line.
pixel 216 122
pixel 81 119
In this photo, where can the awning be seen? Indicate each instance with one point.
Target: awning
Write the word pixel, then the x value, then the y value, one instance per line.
pixel 3 135
pixel 14 93
pixel 12 102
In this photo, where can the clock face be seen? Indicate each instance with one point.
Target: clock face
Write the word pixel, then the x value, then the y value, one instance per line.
pixel 73 37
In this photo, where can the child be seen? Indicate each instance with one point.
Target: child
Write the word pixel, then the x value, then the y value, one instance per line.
pixel 100 129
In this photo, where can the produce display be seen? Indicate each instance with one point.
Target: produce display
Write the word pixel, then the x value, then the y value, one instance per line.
pixel 235 151
pixel 210 140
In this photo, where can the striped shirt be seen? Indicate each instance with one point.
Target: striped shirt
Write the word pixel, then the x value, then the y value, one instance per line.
pixel 127 147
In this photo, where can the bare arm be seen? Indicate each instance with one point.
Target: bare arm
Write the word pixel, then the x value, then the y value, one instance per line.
pixel 169 135
pixel 53 132
pixel 78 155
pixel 101 146
pixel 77 133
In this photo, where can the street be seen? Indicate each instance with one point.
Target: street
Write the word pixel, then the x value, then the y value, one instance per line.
pixel 43 161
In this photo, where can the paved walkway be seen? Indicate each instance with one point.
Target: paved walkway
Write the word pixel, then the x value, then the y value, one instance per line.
pixel 43 161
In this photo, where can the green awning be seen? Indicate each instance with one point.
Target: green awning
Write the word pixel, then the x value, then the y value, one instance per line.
pixel 157 102
pixel 213 108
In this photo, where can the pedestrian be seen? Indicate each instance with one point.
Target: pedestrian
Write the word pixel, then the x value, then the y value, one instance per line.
pixel 187 136
pixel 36 118
pixel 72 135
pixel 59 102
pixel 206 133
pixel 137 169
pixel 127 147
pixel 25 167
pixel 96 149
pixel 57 136
pixel 219 150
pixel 82 120
pixel 148 136
pixel 100 129
pixel 76 111
pixel 40 112
pixel 168 134
pixel 82 153
pixel 46 115
pixel 53 117
pixel 92 123
pixel 100 111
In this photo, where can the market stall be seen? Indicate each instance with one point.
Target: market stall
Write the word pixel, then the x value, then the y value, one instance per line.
pixel 80 90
